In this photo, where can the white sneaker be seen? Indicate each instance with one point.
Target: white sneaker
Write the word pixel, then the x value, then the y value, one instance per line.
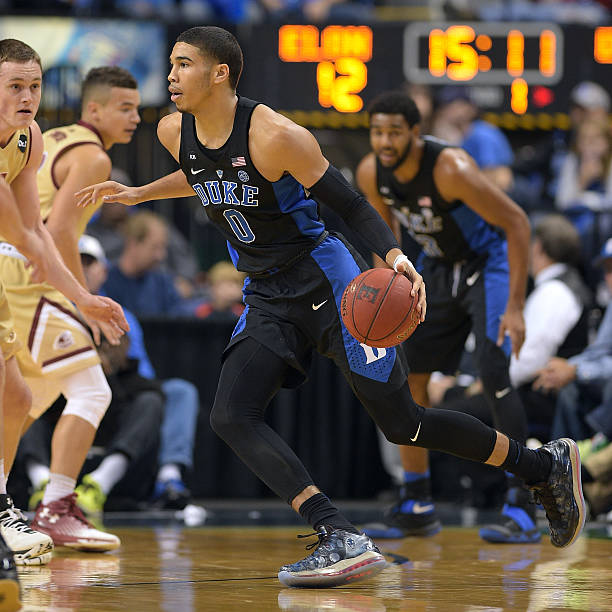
pixel 29 547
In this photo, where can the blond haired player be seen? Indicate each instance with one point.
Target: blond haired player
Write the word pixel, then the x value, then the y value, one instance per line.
pixel 60 356
pixel 21 153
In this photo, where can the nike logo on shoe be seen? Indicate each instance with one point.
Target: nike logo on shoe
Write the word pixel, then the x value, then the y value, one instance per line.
pixel 470 280
pixel 417 508
pixel 317 306
pixel 416 435
pixel 197 171
pixel 503 392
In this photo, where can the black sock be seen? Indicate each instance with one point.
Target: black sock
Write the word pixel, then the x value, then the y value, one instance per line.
pixel 318 510
pixel 532 466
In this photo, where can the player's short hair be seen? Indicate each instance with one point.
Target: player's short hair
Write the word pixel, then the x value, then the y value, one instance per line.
pixel 396 103
pixel 219 44
pixel 101 79
pixel 12 50
pixel 138 226
pixel 559 239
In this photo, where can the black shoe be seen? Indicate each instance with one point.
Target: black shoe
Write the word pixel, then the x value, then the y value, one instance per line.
pixel 340 557
pixel 414 515
pixel 561 495
pixel 518 523
pixel 9 582
pixel 171 495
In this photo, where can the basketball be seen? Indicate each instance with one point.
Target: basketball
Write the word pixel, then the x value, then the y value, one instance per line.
pixel 377 308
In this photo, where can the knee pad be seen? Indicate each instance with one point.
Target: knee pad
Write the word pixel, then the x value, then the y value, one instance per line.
pixel 87 395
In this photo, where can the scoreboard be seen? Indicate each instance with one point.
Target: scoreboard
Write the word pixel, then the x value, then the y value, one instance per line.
pixel 522 72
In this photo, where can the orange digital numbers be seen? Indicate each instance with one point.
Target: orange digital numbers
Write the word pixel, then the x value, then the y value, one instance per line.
pixel 518 96
pixel 453 45
pixel 602 46
pixel 341 53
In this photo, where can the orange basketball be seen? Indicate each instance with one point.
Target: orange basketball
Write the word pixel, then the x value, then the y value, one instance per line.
pixel 377 308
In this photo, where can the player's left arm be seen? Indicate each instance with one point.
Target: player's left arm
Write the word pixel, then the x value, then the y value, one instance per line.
pixel 457 177
pixel 284 147
pixel 87 164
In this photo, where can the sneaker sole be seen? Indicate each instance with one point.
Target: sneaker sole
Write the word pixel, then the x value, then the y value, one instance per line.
pixel 40 560
pixel 344 572
pixel 380 531
pixel 502 536
pixel 576 489
pixel 9 595
pixel 30 555
pixel 90 545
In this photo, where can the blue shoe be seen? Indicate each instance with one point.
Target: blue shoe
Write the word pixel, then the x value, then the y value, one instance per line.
pixel 518 528
pixel 170 494
pixel 340 557
pixel 561 495
pixel 411 517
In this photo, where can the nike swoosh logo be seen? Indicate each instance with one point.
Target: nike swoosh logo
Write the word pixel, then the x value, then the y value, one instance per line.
pixel 470 280
pixel 502 393
pixel 418 509
pixel 317 306
pixel 416 435
pixel 197 171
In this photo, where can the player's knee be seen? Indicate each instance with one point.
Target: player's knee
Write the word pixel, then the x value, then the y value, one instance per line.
pixel 18 401
pixel 90 406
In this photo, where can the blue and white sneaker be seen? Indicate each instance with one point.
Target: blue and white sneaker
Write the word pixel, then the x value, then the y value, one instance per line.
pixel 411 517
pixel 340 558
pixel 561 495
pixel 518 524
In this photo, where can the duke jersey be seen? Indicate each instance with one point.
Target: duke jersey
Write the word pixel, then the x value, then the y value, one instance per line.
pixel 58 141
pixel 267 224
pixel 450 231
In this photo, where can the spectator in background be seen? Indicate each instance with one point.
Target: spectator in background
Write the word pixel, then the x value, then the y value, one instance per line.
pixel 107 226
pixel 136 280
pixel 423 98
pixel 585 178
pixel 584 382
pixel 182 403
pixel 457 122
pixel 318 10
pixel 225 283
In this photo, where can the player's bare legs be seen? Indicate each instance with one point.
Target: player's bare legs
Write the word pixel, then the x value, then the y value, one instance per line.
pixel 17 400
pixel 71 441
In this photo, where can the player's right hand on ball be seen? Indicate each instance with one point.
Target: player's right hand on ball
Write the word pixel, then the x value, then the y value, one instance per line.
pixel 109 191
pixel 418 284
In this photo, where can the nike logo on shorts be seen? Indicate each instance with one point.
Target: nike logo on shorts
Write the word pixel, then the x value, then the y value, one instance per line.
pixel 503 392
pixel 470 280
pixel 416 435
pixel 417 508
pixel 197 171
pixel 317 306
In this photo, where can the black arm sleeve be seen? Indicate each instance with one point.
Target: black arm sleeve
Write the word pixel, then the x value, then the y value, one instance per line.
pixel 334 190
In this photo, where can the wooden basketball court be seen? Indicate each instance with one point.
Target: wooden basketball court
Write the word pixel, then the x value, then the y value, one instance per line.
pixel 178 569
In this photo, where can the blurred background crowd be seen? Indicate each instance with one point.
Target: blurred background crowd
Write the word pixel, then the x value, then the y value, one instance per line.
pixel 166 265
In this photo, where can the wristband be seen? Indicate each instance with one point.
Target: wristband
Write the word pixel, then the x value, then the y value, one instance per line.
pixel 401 259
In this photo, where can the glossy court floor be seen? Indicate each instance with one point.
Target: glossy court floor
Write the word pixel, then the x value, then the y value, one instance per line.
pixel 169 567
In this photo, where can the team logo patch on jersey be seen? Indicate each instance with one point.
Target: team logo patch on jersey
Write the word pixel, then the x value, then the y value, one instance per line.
pixel 63 341
pixel 192 156
pixel 243 176
pixel 424 202
pixel 220 173
pixel 238 161
pixel 22 143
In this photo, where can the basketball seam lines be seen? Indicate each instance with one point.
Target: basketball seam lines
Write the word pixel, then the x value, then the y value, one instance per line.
pixel 395 275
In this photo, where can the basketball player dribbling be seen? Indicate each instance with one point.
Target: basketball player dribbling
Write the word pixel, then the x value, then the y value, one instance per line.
pixel 256 173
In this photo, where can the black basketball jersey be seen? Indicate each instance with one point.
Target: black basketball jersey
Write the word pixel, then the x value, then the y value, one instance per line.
pixel 445 230
pixel 266 223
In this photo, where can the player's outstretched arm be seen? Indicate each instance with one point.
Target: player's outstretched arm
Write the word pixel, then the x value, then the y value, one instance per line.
pixel 171 186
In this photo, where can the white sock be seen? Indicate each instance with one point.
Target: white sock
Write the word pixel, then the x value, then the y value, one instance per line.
pixel 110 471
pixel 59 486
pixel 37 473
pixel 2 478
pixel 170 471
